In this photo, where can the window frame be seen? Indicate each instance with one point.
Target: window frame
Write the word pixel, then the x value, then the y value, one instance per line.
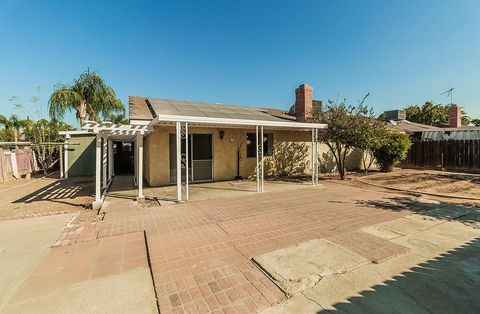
pixel 267 146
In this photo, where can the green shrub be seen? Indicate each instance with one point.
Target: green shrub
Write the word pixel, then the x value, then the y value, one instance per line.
pixel 393 150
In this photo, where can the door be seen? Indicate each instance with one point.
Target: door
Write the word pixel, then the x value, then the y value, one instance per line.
pixel 200 158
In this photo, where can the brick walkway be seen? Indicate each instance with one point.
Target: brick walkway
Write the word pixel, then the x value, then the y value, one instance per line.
pixel 200 251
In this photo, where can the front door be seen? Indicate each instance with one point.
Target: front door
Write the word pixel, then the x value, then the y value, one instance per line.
pixel 200 159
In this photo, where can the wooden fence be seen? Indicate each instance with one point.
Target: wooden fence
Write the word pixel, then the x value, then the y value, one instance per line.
pixel 16 163
pixel 449 155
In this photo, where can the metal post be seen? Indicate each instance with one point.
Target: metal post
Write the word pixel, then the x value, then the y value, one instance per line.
pixel 104 162
pixel 179 161
pixel 65 159
pixel 185 134
pixel 98 160
pixel 314 156
pixel 110 159
pixel 257 168
pixel 261 158
pixel 62 166
pixel 140 167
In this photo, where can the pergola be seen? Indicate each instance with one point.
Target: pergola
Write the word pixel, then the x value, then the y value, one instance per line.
pixel 138 129
pixel 107 132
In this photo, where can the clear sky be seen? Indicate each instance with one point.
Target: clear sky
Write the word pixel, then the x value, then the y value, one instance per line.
pixel 246 52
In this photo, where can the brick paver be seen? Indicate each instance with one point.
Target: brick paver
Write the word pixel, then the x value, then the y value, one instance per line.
pixel 200 251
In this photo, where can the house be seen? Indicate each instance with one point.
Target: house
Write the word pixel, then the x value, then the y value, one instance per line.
pixel 396 120
pixel 217 142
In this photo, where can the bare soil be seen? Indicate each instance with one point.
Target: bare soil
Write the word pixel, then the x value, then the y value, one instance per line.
pixel 428 181
pixel 42 195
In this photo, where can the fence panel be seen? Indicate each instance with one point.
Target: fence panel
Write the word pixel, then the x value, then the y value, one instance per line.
pixel 448 154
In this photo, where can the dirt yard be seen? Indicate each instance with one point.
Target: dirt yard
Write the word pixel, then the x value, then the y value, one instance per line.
pixel 25 198
pixel 428 181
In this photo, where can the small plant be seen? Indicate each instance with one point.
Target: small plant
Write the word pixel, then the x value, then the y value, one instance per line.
pixel 393 150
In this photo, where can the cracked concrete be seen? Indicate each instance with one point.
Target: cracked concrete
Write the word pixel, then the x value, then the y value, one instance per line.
pixel 440 272
pixel 299 267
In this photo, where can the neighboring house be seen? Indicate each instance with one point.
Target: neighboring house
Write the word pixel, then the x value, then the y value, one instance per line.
pixel 454 147
pixel 395 120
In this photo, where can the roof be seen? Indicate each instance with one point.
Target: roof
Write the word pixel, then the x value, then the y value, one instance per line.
pixel 407 126
pixel 138 108
pixel 142 108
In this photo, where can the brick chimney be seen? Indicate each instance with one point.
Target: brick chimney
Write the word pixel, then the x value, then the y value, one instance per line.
pixel 455 117
pixel 303 102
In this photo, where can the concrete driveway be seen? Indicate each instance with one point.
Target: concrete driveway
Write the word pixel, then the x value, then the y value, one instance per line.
pixel 23 244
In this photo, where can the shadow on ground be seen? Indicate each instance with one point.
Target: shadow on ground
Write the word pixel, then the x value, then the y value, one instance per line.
pixel 60 192
pixel 440 210
pixel 448 283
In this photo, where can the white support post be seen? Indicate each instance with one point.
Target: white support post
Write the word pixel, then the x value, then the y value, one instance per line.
pixel 314 156
pixel 104 162
pixel 259 144
pixel 98 162
pixel 60 155
pixel 135 163
pixel 186 160
pixel 258 168
pixel 65 157
pixel 140 198
pixel 110 160
pixel 261 158
pixel 178 136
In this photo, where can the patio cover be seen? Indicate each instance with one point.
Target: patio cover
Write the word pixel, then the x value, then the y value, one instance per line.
pixel 145 113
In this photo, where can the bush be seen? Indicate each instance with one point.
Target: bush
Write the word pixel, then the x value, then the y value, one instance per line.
pixel 393 150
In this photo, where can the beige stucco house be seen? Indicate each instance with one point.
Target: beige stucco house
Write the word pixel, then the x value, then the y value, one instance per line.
pixel 218 142
pixel 223 151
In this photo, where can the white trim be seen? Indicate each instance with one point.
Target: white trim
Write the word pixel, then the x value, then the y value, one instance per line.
pixel 224 121
pixel 75 133
pixel 140 122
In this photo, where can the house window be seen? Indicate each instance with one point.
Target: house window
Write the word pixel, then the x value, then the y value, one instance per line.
pixel 267 145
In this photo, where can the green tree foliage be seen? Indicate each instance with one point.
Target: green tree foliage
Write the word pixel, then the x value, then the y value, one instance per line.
pixel 432 114
pixel 37 131
pixel 475 122
pixel 89 96
pixel 393 150
pixel 12 127
pixel 348 127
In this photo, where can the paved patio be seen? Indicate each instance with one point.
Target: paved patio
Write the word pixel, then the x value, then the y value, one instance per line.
pixel 200 252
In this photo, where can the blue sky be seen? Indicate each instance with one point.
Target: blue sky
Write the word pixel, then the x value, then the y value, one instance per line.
pixel 246 52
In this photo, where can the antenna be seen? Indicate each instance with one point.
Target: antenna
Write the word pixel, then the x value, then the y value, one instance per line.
pixel 449 93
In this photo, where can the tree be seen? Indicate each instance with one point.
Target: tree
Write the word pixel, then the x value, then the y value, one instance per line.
pixel 371 135
pixel 393 150
pixel 348 128
pixel 13 126
pixel 89 96
pixel 432 114
pixel 40 130
pixel 476 122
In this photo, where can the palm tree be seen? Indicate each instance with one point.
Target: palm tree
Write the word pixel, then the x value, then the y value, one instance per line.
pixel 89 96
pixel 13 124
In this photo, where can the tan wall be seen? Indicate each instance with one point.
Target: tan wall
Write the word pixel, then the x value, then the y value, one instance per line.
pixel 156 152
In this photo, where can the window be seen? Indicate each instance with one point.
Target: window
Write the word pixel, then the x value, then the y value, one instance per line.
pixel 267 145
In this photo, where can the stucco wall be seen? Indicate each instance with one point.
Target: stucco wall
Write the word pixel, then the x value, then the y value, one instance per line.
pixel 156 152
